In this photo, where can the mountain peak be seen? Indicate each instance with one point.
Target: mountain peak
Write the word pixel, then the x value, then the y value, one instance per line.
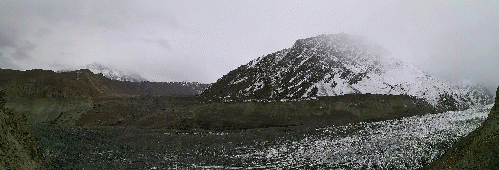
pixel 331 65
pixel 113 73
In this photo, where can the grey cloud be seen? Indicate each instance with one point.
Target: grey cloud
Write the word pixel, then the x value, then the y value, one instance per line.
pixel 114 14
pixel 22 51
pixel 160 42
pixel 58 66
pixel 6 62
pixel 42 32
pixel 119 14
pixel 7 38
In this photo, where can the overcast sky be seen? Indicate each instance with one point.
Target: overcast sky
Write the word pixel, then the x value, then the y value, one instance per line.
pixel 203 40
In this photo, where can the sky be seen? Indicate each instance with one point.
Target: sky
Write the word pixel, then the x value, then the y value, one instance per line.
pixel 204 40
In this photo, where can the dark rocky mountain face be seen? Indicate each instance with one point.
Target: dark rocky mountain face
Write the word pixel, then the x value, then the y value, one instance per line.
pixel 83 83
pixel 46 83
pixel 338 64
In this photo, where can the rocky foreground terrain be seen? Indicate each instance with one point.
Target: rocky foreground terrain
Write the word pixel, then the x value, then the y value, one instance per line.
pixel 18 147
pixel 405 143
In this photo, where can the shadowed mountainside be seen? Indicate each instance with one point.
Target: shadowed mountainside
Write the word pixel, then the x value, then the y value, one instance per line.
pixel 478 150
pixel 18 147
pixel 189 113
pixel 84 84
pixel 46 96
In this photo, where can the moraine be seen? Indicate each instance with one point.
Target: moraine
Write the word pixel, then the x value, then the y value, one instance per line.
pixel 407 143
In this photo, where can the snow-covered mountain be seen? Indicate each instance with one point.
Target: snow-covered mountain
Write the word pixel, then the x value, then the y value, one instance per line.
pixel 196 86
pixel 331 65
pixel 477 93
pixel 114 74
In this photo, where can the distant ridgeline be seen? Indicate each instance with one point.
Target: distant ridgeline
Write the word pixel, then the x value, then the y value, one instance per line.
pixel 338 64
pixel 83 83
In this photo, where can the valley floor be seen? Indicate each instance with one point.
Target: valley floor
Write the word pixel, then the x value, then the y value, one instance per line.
pixel 406 143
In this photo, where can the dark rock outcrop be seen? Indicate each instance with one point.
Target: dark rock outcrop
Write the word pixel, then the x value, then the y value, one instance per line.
pixel 85 84
pixel 187 113
pixel 478 150
pixel 18 147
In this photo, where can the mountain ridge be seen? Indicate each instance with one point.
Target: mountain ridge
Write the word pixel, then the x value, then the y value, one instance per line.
pixel 113 73
pixel 83 83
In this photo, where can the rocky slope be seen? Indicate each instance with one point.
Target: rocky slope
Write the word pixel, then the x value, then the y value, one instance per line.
pixel 478 150
pixel 46 83
pixel 84 84
pixel 18 147
pixel 115 74
pixel 331 65
pixel 46 96
pixel 187 113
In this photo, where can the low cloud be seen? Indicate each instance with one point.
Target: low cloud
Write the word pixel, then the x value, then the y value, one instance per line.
pixel 7 37
pixel 43 32
pixel 22 51
pixel 6 62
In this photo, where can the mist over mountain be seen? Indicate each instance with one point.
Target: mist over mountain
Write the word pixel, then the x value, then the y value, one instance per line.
pixel 113 73
pixel 338 64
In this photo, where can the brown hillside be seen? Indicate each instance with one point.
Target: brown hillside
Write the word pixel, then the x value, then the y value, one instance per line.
pixel 47 83
pixel 83 84
pixel 191 113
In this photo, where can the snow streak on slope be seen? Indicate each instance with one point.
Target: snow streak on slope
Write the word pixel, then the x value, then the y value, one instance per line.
pixel 331 65
pixel 113 73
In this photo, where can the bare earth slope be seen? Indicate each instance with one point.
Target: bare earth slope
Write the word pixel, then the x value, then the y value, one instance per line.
pixel 187 113
pixel 84 84
pixel 45 96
